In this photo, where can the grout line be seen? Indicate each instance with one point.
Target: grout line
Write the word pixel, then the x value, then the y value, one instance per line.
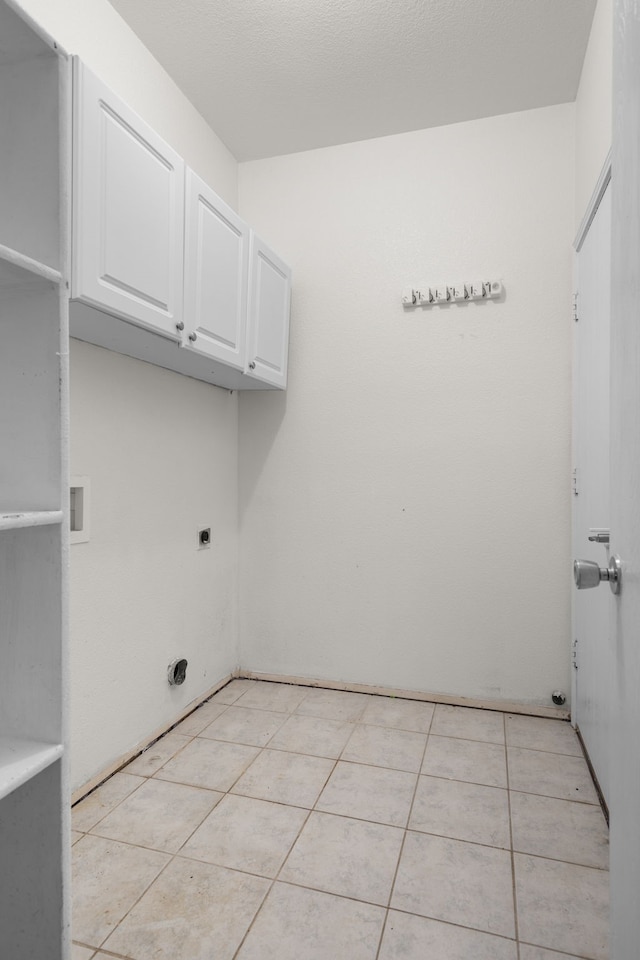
pixel 111 809
pixel 404 838
pixel 451 923
pixel 329 813
pixel 138 899
pixel 553 753
pixel 278 872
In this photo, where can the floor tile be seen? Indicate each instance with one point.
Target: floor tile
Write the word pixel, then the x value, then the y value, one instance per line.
pixel 313 735
pixel 321 784
pixel 98 804
pixel 280 697
pixel 407 937
pixel 384 747
pixel 195 911
pixel 351 858
pixel 463 883
pixel 333 704
pixel 285 778
pixel 108 878
pixel 540 733
pixel 200 718
pixel 469 760
pixel 550 774
pixel 464 811
pixel 247 834
pixel 208 763
pixel 562 906
pixel 81 953
pixel 233 691
pixel 369 793
pixel 157 754
pixel 298 924
pixel 160 815
pixel 468 723
pixel 401 714
pixel 560 830
pixel 537 953
pixel 241 725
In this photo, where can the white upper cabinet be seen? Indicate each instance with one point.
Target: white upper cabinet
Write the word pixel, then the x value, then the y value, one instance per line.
pixel 216 275
pixel 156 251
pixel 268 320
pixel 128 211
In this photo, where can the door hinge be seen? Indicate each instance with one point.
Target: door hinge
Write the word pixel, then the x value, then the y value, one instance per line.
pixel 574 481
pixel 575 307
pixel 574 654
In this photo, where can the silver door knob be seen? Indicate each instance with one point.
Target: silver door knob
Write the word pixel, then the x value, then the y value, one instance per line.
pixel 252 365
pixel 179 325
pixel 588 574
pixel 193 336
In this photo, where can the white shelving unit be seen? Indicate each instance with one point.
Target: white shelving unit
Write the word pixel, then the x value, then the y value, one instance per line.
pixel 34 809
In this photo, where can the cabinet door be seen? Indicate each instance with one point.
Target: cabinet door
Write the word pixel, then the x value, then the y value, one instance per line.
pixel 216 275
pixel 128 191
pixel 268 326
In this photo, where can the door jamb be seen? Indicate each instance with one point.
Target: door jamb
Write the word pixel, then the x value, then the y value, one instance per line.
pixel 597 195
pixel 594 202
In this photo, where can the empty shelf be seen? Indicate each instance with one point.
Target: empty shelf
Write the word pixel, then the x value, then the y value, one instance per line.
pixel 20 760
pixel 29 518
pixel 16 269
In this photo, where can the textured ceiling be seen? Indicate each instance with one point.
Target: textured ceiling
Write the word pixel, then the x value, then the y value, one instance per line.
pixel 278 76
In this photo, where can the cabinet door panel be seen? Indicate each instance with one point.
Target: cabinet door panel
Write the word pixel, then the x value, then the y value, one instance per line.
pixel 216 271
pixel 128 211
pixel 269 305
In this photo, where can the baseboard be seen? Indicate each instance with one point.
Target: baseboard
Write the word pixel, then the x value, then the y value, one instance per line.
pixel 81 792
pixel 504 706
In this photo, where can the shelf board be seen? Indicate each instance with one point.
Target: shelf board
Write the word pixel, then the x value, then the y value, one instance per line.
pixel 16 269
pixel 31 518
pixel 20 760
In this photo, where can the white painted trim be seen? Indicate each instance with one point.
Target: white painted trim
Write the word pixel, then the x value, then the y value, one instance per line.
pixel 504 706
pixel 597 195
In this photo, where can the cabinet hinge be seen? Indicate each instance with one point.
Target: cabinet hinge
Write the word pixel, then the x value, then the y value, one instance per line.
pixel 575 307
pixel 574 481
pixel 574 653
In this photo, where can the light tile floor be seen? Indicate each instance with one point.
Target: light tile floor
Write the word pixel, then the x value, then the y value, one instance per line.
pixel 289 823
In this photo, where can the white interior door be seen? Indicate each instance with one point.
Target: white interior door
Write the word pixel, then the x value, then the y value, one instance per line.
pixel 625 485
pixel 592 638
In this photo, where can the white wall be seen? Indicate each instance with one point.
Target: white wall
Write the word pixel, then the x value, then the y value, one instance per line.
pixel 405 507
pixel 161 454
pixel 594 104
pixel 160 451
